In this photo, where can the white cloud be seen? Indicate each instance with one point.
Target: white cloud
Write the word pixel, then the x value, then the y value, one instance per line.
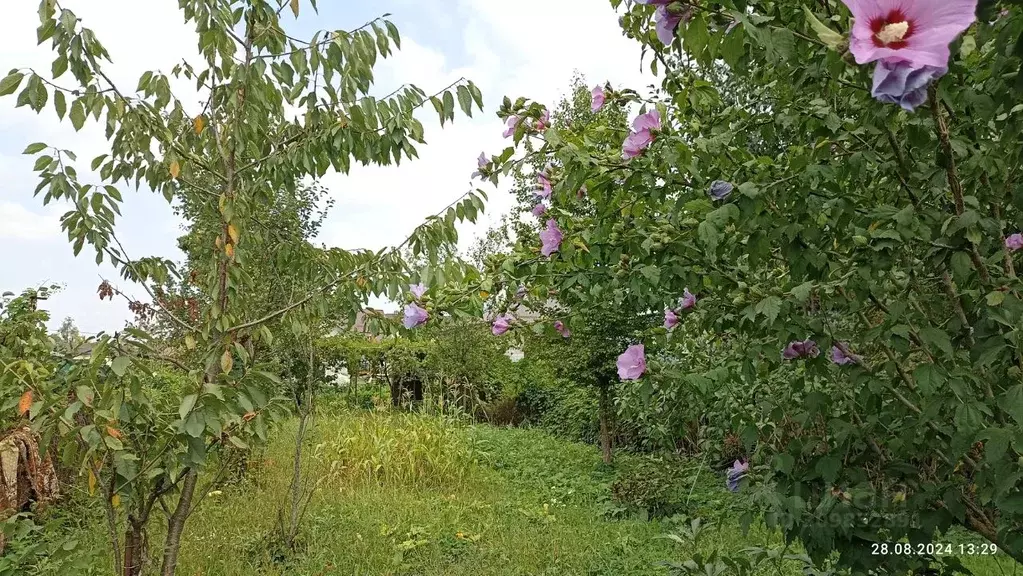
pixel 19 223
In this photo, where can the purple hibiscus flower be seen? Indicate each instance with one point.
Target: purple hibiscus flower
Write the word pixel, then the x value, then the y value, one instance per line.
pixel 805 349
pixel 415 315
pixel 562 329
pixel 551 238
pixel 417 290
pixel 643 128
pixel 903 84
pixel 1014 242
pixel 501 324
pixel 719 189
pixel 632 363
pixel 735 475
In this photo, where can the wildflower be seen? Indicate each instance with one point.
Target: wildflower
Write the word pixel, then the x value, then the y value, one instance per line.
pixel 501 324
pixel 840 355
pixel 551 238
pixel 539 209
pixel 688 299
pixel 515 355
pixel 521 292
pixel 544 122
pixel 511 125
pixel 917 32
pixel 665 20
pixel 804 349
pixel 582 192
pixel 632 363
pixel 417 290
pixel 482 161
pixel 545 185
pixel 719 189
pixel 1014 242
pixel 670 318
pixel 415 315
pixel 735 474
pixel 562 329
pixel 903 84
pixel 598 98
pixel 642 135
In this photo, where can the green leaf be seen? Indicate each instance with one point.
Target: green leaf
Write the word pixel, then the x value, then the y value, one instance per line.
pixel 476 95
pixel 195 424
pixel 77 114
pixel 935 337
pixel 465 100
pixel 449 105
pixel 1013 403
pixel 828 468
pixel 769 307
pixel 651 273
pixel 59 104
pixel 439 107
pixel 928 377
pixel 802 292
pixel 10 83
pixel 392 30
pixel 113 443
pixel 187 403
pixel 34 148
pixel 120 365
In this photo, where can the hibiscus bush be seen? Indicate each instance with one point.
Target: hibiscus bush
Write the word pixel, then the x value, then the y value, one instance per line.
pixel 827 194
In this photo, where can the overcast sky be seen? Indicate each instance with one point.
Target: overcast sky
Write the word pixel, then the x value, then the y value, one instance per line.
pixel 526 48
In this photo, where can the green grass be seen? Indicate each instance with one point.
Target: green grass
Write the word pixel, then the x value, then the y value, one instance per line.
pixel 418 495
pixel 522 503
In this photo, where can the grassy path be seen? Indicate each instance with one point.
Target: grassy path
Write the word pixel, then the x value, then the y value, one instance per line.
pixel 503 502
pixel 401 494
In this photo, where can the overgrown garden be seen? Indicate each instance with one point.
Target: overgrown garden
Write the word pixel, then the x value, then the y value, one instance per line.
pixel 788 270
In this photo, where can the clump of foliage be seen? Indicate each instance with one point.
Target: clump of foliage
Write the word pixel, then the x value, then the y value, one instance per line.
pixel 852 263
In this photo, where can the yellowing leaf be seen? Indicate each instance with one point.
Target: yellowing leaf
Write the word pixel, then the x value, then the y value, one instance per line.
pixel 484 294
pixel 219 243
pixel 116 501
pixel 190 342
pixel 175 169
pixel 294 7
pixel 226 361
pixel 828 36
pixel 25 403
pixel 114 432
pixel 92 483
pixel 200 124
pixel 229 250
pixel 232 231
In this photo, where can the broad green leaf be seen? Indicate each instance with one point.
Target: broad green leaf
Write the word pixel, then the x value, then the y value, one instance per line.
pixel 10 83
pixel 187 403
pixel 120 364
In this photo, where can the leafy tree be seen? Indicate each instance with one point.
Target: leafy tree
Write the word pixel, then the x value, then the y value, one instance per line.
pixel 236 154
pixel 68 337
pixel 808 217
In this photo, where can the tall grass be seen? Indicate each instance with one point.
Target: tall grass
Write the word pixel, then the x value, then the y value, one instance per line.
pixel 393 449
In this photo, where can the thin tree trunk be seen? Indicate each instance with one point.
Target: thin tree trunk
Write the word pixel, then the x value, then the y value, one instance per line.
pixel 111 515
pixel 176 524
pixel 296 479
pixel 605 426
pixel 134 552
